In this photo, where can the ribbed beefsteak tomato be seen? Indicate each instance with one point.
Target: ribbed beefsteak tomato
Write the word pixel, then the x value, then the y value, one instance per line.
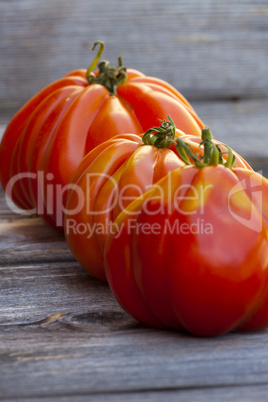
pixel 49 136
pixel 110 177
pixel 192 252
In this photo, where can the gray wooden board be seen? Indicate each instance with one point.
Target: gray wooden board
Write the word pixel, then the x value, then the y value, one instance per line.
pixel 207 49
pixel 87 345
pixel 78 357
pixel 239 393
pixel 64 337
pixel 31 293
pixel 240 124
pixel 30 240
pixel 225 394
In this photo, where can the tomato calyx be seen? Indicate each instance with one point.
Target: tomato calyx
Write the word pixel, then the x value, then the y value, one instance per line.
pixel 109 77
pixel 162 136
pixel 212 154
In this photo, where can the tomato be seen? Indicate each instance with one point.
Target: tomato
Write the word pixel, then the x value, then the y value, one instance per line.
pixel 49 136
pixel 191 253
pixel 109 178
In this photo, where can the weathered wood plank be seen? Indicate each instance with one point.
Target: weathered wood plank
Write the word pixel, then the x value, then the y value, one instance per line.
pixel 80 354
pixel 209 49
pixel 62 330
pixel 223 394
pixel 2 128
pixel 63 337
pixel 242 125
pixel 34 292
pixel 30 240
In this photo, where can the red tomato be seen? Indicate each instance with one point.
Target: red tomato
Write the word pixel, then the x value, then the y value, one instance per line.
pixel 109 178
pixel 192 252
pixel 49 136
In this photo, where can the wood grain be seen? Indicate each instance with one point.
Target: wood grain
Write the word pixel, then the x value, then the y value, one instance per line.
pixel 30 240
pixel 208 50
pixel 63 331
pixel 89 347
pixel 225 394
pixel 63 336
pixel 240 124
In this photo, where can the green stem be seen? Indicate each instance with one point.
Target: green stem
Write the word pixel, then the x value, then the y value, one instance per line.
pixel 212 154
pixel 185 152
pixel 231 158
pixel 94 63
pixel 109 77
pixel 162 136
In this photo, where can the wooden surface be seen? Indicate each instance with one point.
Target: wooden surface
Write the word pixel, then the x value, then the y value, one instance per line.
pixel 63 337
pixel 209 49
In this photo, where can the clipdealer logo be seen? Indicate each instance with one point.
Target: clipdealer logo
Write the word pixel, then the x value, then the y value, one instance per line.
pixel 50 199
pixel 249 192
pixel 200 226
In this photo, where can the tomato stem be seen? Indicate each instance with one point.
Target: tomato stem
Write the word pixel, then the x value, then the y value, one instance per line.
pixel 96 59
pixel 212 153
pixel 162 136
pixel 109 77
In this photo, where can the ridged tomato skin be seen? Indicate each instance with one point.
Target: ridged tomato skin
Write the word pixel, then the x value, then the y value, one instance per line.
pixel 107 180
pixel 194 256
pixel 49 136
